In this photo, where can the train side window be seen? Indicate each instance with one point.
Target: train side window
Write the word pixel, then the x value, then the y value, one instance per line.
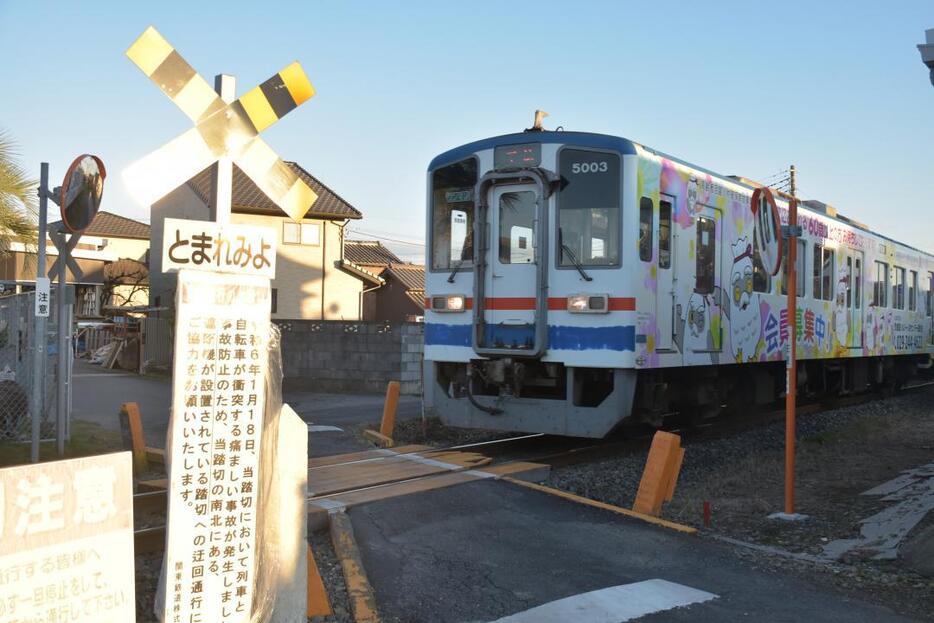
pixel 761 279
pixel 664 234
pixel 913 290
pixel 799 268
pixel 645 229
pixel 706 267
pixel 898 289
pixel 880 286
pixel 930 301
pixel 856 279
pixel 823 273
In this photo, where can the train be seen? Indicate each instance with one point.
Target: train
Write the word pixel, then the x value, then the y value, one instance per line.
pixel 578 281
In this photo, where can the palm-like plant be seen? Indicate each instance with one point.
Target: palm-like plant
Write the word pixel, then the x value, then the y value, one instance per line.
pixel 17 197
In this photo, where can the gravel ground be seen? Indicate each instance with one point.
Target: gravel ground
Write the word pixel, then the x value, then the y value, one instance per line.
pixel 841 453
pixel 148 567
pixel 333 576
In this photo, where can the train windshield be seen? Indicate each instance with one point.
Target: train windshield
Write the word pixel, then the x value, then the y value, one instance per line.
pixel 452 214
pixel 588 208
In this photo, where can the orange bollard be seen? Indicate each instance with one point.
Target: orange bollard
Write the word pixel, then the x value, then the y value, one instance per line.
pixel 388 423
pixel 130 411
pixel 660 475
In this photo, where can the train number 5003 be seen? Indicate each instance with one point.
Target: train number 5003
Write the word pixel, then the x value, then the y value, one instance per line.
pixel 589 167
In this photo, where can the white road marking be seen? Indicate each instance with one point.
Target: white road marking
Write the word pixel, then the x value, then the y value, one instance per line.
pixel 323 428
pixel 614 604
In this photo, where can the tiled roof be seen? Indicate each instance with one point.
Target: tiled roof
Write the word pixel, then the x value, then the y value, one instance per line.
pixel 110 225
pixel 247 197
pixel 369 252
pixel 412 276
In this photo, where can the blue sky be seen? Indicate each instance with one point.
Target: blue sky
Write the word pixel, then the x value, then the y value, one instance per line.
pixel 738 87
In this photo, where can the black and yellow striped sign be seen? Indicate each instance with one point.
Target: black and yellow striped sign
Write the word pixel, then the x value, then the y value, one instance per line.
pixel 221 129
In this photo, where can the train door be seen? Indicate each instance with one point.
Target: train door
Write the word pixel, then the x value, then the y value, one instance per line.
pixel 510 302
pixel 664 267
pixel 853 282
pixel 930 304
pixel 705 328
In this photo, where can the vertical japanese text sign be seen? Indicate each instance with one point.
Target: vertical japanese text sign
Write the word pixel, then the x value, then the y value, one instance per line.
pixel 218 400
pixel 66 541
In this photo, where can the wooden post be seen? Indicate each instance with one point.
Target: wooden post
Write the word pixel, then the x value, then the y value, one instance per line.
pixel 388 423
pixel 130 410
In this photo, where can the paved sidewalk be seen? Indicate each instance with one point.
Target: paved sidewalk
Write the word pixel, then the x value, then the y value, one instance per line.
pixel 485 550
pixel 98 394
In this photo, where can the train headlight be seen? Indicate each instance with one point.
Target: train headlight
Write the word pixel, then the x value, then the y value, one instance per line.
pixel 588 303
pixel 448 303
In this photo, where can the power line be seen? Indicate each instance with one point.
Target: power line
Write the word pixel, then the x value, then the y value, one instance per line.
pixel 387 238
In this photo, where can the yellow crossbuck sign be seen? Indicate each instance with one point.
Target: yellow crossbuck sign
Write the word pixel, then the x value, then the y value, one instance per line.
pixel 221 130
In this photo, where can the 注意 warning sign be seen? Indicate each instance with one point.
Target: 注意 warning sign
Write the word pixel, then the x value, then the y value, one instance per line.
pixel 66 541
pixel 209 246
pixel 218 400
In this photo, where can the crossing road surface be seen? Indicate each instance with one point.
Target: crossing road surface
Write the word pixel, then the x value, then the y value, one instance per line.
pixel 486 550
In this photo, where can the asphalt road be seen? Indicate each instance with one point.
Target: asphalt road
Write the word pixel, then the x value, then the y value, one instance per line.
pixel 485 550
pixel 98 394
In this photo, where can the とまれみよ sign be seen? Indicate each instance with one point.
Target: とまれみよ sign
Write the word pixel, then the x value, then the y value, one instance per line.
pixel 66 541
pixel 208 246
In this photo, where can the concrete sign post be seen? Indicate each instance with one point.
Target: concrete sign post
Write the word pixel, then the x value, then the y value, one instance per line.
pixel 218 538
pixel 66 541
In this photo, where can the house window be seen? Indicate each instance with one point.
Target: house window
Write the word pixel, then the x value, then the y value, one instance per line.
pixel 898 289
pixel 880 286
pixel 274 299
pixel 301 233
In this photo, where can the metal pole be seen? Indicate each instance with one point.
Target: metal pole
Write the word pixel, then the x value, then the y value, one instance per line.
pixel 38 324
pixel 222 177
pixel 791 369
pixel 63 350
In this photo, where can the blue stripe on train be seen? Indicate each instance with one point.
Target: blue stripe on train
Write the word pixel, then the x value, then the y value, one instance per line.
pixel 560 337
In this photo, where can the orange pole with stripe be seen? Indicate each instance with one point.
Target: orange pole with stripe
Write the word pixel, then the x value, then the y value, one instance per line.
pixel 791 366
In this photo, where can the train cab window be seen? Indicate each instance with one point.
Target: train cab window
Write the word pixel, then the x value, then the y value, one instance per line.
pixel 645 229
pixel 913 290
pixel 452 214
pixel 823 273
pixel 588 208
pixel 516 222
pixel 880 286
pixel 898 289
pixel 664 234
pixel 930 299
pixel 706 267
pixel 799 268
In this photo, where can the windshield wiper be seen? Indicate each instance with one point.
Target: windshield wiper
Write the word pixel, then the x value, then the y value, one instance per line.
pixel 574 260
pixel 457 267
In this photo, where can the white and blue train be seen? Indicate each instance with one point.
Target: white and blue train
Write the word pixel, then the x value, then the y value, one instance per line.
pixel 578 280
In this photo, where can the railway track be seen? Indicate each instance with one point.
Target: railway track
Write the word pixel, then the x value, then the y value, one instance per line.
pixel 501 453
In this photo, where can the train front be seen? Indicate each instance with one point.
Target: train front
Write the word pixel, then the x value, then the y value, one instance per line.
pixel 528 324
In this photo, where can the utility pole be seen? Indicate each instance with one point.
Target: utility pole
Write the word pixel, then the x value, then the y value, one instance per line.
pixel 794 185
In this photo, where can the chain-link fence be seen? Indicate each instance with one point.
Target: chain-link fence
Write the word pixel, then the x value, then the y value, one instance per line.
pixel 17 372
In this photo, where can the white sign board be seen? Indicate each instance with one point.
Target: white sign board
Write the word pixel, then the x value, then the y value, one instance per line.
pixel 66 541
pixel 43 296
pixel 208 246
pixel 218 399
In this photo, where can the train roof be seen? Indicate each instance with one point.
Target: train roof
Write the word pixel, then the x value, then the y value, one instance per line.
pixel 626 147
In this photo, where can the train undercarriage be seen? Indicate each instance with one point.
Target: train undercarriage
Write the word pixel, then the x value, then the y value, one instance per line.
pixel 533 396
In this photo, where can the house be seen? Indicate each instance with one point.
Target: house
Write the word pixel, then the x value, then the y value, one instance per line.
pixel 313 281
pixel 112 254
pixel 401 297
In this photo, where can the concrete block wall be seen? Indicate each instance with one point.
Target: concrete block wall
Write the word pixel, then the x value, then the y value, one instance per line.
pixel 351 356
